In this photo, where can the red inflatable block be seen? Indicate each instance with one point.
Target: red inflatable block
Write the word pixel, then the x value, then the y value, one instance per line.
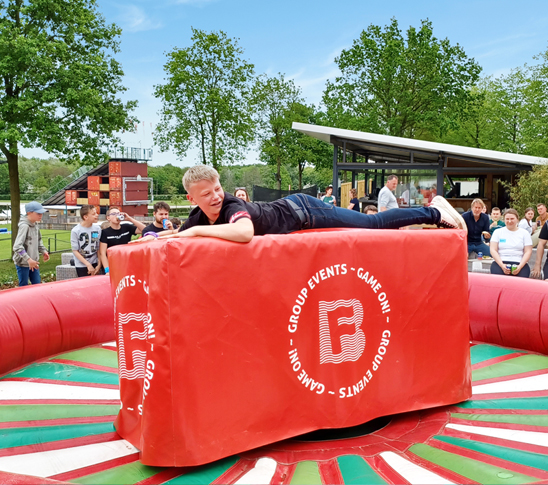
pixel 41 320
pixel 224 347
pixel 509 311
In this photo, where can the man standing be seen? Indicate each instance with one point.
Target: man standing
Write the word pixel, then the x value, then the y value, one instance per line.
pixel 117 233
pixel 542 215
pixel 161 214
pixel 543 239
pixel 387 200
pixel 84 240
pixel 478 225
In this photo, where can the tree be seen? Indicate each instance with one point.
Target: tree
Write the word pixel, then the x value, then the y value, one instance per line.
pixel 59 82
pixel 293 148
pixel 167 179
pixel 530 189
pixel 410 87
pixel 206 100
pixel 273 97
pixel 508 113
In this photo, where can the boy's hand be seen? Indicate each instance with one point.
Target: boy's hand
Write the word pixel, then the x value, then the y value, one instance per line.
pixel 90 268
pixel 46 256
pixel 33 264
pixel 96 270
pixel 143 239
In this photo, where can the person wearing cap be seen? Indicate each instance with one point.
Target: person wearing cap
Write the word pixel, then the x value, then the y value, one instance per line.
pixel 28 246
pixel 328 198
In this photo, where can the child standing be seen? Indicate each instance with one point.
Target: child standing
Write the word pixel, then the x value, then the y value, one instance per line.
pixel 28 246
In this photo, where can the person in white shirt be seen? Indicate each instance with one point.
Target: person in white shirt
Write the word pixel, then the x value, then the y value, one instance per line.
pixel 387 200
pixel 511 248
pixel 527 222
pixel 84 240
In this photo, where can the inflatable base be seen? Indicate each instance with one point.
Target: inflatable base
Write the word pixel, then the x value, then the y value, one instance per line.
pixel 56 423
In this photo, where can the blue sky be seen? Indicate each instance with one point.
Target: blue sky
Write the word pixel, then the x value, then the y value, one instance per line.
pixel 301 39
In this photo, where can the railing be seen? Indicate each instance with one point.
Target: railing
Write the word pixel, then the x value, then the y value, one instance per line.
pixel 53 243
pixel 67 180
pixel 130 153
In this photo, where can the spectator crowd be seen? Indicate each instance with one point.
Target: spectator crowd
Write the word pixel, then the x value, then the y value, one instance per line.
pixel 505 237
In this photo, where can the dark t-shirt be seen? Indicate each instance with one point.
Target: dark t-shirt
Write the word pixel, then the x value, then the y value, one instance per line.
pixel 544 232
pixel 356 203
pixel 268 218
pixel 152 228
pixel 475 228
pixel 115 237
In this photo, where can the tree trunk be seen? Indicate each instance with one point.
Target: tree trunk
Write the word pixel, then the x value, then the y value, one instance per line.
pixel 15 194
pixel 301 168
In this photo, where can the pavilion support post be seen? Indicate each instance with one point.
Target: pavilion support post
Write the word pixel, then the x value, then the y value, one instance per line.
pixel 439 178
pixel 353 171
pixel 335 171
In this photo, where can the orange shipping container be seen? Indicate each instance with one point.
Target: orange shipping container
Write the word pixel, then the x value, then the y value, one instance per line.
pixel 93 197
pixel 114 168
pixel 93 182
pixel 115 183
pixel 115 198
pixel 70 197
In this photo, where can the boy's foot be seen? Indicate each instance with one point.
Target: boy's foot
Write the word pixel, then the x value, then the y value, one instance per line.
pixel 450 218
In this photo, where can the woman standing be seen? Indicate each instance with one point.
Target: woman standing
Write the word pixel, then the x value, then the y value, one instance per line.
pixel 511 247
pixel 354 202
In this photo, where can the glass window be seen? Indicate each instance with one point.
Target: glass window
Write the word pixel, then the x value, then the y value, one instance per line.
pixel 465 187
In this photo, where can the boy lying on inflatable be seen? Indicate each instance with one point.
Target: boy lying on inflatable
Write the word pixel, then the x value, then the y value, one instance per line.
pixel 220 214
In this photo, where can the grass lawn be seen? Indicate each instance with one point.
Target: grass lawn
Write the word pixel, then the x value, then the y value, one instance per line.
pixel 53 239
pixel 8 274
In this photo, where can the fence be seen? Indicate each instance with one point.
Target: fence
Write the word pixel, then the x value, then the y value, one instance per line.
pixel 54 244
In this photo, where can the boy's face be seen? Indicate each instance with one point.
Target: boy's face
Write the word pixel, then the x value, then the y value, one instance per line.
pixel 208 195
pixel 34 217
pixel 495 215
pixel 541 209
pixel 112 217
pixel 92 216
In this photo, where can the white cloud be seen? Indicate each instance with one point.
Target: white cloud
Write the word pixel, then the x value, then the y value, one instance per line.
pixel 134 19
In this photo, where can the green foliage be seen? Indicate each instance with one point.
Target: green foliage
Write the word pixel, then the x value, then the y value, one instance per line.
pixel 167 179
pixel 59 80
pixel 530 189
pixel 410 87
pixel 508 113
pixel 274 98
pixel 206 100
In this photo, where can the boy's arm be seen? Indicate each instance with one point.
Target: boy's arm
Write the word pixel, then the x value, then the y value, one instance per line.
pixel 103 254
pixel 41 248
pixel 19 244
pixel 138 224
pixel 239 231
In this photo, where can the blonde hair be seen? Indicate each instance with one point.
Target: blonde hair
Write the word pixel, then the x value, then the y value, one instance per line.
pixel 477 202
pixel 353 192
pixel 198 173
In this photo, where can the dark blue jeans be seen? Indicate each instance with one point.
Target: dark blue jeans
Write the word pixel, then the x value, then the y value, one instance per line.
pixel 24 274
pixel 479 248
pixel 524 273
pixel 322 216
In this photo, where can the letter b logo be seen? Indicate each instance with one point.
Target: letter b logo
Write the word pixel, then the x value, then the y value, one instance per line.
pixel 352 345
